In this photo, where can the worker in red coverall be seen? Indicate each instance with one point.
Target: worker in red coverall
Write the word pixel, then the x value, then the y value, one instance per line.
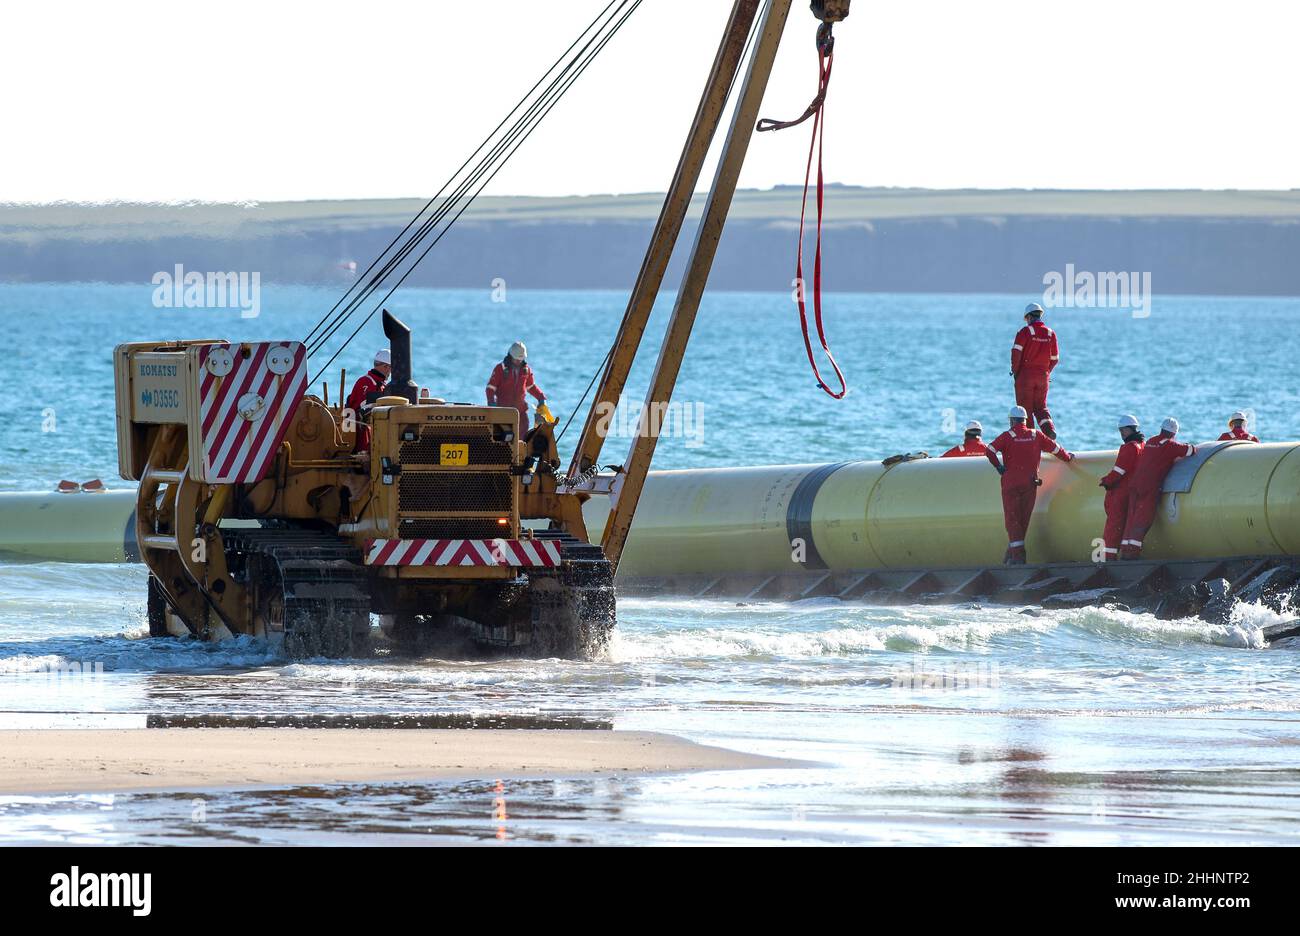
pixel 1158 456
pixel 1116 482
pixel 1021 448
pixel 1034 354
pixel 971 445
pixel 368 388
pixel 1237 429
pixel 510 380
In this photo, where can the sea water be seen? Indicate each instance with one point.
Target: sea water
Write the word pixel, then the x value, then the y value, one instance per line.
pixel 911 724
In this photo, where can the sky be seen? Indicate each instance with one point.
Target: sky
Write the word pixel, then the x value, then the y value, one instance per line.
pixel 263 101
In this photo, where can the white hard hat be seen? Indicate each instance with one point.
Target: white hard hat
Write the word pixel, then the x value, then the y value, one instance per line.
pixel 1033 309
pixel 1170 426
pixel 384 356
pixel 1128 421
pixel 1017 412
pixel 974 426
pixel 1237 415
pixel 518 351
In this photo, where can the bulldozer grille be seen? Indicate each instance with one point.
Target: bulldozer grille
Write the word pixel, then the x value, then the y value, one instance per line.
pixel 455 491
pixel 465 499
pixel 452 528
pixel 483 450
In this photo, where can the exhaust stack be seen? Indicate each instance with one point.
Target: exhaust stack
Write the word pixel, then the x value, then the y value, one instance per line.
pixel 399 344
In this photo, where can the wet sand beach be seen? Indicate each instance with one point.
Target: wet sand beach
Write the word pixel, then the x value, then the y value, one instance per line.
pixel 100 761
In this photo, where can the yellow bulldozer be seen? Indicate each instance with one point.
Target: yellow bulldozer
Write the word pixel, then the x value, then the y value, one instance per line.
pixel 256 516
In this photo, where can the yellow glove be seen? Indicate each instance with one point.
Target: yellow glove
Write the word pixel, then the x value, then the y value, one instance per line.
pixel 544 412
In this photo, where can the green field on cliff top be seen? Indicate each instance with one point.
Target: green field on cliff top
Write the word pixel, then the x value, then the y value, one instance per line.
pixel 844 205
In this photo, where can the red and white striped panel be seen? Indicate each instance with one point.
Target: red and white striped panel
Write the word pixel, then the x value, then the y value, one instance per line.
pixel 462 552
pixel 246 404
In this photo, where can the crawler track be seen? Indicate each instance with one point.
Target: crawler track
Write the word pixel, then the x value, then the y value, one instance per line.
pixel 311 589
pixel 573 609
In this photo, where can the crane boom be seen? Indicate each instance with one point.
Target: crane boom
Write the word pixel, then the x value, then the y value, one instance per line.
pixel 672 215
pixel 626 492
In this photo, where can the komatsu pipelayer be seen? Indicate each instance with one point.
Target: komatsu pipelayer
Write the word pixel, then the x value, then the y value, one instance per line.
pixel 255 517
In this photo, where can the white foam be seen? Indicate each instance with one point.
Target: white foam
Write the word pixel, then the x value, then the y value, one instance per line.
pixel 1115 623
pixel 17 665
pixel 921 628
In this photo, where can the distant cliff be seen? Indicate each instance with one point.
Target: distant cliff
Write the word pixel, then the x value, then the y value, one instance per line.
pixel 877 240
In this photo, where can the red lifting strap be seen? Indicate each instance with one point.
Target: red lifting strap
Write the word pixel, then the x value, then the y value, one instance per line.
pixel 816 110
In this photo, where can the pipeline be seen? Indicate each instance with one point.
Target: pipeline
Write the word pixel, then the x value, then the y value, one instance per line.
pixel 1231 499
pixel 728 533
pixel 78 527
